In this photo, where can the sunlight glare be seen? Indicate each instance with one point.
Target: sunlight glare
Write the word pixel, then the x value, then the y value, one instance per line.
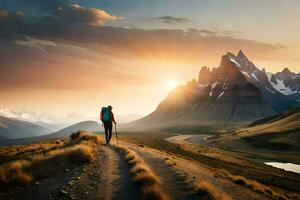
pixel 171 84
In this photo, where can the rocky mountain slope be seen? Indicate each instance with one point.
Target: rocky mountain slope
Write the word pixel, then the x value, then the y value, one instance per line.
pixel 236 91
pixel 287 82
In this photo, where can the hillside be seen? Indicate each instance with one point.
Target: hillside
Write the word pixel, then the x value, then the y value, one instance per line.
pixel 91 126
pixel 285 122
pixel 280 132
pixel 13 128
pixel 140 166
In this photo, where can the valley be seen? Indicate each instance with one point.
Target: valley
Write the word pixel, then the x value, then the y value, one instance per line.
pixel 232 134
pixel 193 171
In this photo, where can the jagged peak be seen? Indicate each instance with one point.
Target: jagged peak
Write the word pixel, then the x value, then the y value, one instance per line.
pixel 286 70
pixel 204 75
pixel 204 68
pixel 243 58
pixel 241 53
pixel 230 55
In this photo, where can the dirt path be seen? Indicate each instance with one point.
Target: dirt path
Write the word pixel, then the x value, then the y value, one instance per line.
pixel 107 178
pixel 172 182
pixel 178 179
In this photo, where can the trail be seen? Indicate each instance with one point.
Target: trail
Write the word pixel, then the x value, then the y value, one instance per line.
pixel 180 179
pixel 109 178
pixel 173 183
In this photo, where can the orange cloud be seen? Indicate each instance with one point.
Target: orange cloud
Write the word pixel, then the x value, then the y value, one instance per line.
pixel 91 16
pixel 3 13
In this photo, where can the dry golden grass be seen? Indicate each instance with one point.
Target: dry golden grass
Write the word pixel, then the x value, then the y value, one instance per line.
pixel 149 183
pixel 145 178
pixel 53 159
pixel 254 185
pixel 13 173
pixel 153 192
pixel 80 136
pixel 206 188
pixel 28 150
pixel 58 160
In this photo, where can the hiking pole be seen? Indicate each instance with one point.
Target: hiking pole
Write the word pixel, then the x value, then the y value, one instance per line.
pixel 116 135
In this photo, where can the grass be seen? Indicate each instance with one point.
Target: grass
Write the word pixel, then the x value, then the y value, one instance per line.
pixel 254 185
pixel 286 181
pixel 13 173
pixel 50 161
pixel 206 188
pixel 144 177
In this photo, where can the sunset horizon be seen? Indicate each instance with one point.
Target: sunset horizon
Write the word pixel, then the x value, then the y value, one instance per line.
pixel 149 99
pixel 75 56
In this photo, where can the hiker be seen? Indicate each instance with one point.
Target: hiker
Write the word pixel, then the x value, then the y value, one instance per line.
pixel 107 118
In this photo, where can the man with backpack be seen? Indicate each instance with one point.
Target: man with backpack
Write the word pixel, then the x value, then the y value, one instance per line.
pixel 107 118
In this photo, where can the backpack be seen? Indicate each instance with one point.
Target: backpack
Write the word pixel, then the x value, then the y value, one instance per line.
pixel 105 115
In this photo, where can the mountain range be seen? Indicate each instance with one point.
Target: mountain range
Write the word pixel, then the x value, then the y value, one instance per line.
pixel 51 121
pixel 237 91
pixel 287 82
pixel 13 128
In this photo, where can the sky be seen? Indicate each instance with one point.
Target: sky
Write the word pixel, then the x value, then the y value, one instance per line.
pixel 75 56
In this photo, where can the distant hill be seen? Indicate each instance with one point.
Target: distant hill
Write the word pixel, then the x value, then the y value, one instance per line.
pixel 278 132
pixel 53 127
pixel 235 92
pixel 13 128
pixel 91 126
pixel 287 121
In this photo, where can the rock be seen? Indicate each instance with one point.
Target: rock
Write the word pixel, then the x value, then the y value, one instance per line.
pixel 67 170
pixel 63 192
pixel 78 177
pixel 37 183
pixel 71 182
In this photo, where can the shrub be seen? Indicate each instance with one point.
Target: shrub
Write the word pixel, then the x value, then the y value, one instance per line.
pixel 153 192
pixel 51 161
pixel 206 188
pixel 13 173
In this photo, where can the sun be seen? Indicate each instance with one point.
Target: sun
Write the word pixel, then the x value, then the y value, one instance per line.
pixel 171 84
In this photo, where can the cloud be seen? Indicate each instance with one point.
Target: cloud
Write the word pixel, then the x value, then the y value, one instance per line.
pixel 11 22
pixel 7 14
pixel 91 16
pixel 3 13
pixel 71 48
pixel 172 20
